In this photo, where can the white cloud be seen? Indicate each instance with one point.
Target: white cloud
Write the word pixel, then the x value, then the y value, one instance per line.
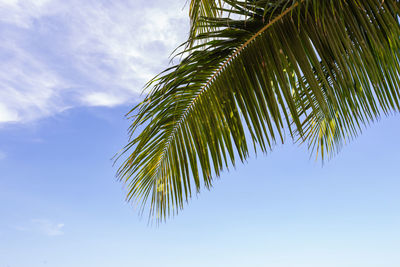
pixel 23 12
pixel 102 99
pixel 48 228
pixel 123 46
pixel 8 114
pixel 28 88
pixel 63 54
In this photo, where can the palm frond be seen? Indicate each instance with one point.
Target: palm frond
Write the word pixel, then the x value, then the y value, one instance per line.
pixel 198 10
pixel 313 68
pixel 367 96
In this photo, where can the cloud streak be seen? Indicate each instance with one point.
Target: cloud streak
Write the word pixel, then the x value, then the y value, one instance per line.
pixel 63 54
pixel 42 226
pixel 29 89
pixel 48 228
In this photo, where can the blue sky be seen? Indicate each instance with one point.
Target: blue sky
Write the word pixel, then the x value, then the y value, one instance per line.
pixel 70 70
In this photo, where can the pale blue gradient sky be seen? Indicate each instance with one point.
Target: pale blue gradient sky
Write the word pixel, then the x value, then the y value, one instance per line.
pixel 60 204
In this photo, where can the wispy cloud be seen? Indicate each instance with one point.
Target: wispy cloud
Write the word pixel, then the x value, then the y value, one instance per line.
pixel 28 88
pixel 20 228
pixel 41 226
pixel 62 54
pixel 48 228
pixel 22 13
pixel 2 154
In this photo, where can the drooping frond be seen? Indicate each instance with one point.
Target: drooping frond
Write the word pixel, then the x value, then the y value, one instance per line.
pixel 372 81
pixel 318 69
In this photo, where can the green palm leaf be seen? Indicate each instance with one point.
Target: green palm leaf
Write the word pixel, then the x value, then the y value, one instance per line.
pixel 319 70
pixel 198 10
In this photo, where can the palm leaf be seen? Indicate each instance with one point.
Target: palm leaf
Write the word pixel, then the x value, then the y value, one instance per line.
pixel 198 10
pixel 306 67
pixel 365 97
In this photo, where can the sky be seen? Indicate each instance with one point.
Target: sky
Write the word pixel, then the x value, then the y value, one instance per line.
pixel 70 70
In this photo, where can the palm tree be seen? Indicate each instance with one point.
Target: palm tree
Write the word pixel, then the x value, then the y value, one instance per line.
pixel 252 72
